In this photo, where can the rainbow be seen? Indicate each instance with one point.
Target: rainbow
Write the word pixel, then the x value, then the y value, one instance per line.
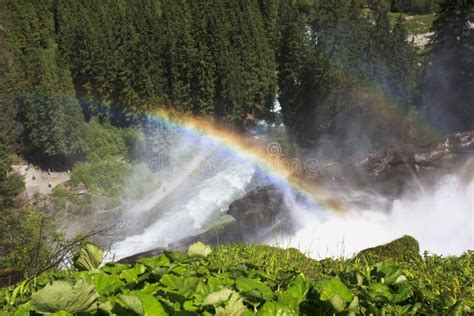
pixel 268 159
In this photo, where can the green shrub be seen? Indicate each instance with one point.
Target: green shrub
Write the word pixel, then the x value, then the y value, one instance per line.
pixel 103 142
pixel 21 237
pixel 60 195
pixel 101 177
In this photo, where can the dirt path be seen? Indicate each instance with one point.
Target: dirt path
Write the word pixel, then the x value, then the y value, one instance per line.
pixel 40 181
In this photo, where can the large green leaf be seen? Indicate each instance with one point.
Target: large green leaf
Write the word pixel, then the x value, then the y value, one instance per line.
pixel 63 296
pixel 199 249
pixel 378 290
pixel 179 284
pixel 105 284
pixel 154 262
pixel 393 274
pixel 216 298
pixel 62 313
pixel 403 293
pixel 131 302
pixel 23 310
pixel 131 275
pixel 90 257
pixel 235 307
pixel 114 268
pixel 254 288
pixel 334 291
pixel 142 303
pixel 151 305
pixel 295 294
pixel 276 309
pixel 214 284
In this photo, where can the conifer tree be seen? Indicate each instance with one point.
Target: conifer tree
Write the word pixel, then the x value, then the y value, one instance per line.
pixel 402 65
pixel 449 97
pixel 46 104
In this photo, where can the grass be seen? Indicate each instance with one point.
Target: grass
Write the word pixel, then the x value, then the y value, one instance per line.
pixel 266 258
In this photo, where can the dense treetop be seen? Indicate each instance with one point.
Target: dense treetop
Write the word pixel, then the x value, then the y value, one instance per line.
pixel 65 62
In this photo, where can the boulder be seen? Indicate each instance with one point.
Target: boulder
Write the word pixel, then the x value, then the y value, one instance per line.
pixel 260 211
pixel 404 249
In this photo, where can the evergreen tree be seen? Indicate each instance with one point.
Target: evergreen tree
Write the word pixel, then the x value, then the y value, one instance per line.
pixel 294 53
pixel 204 67
pixel 402 65
pixel 46 105
pixel 449 98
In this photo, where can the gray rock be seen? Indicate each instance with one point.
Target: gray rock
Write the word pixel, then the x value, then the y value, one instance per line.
pixel 260 211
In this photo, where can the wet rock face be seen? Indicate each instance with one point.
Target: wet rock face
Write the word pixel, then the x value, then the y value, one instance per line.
pixel 146 254
pixel 223 230
pixel 259 211
pixel 10 276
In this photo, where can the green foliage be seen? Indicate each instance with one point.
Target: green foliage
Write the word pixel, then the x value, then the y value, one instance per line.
pixel 335 61
pixel 199 249
pixel 101 177
pixel 43 88
pixel 416 24
pixel 53 126
pixel 61 195
pixel 108 152
pixel 210 58
pixel 63 296
pixel 216 59
pixel 266 258
pixel 103 142
pixel 174 283
pixel 334 291
pixel 21 237
pixel 90 257
pixel 414 6
pixel 11 184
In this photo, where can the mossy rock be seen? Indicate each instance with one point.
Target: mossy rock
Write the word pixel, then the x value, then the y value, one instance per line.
pixel 404 249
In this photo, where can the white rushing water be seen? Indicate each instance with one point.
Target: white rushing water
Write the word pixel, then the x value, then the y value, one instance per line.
pixel 210 198
pixel 441 219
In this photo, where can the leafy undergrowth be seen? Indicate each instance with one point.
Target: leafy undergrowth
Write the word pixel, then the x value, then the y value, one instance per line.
pixel 415 24
pixel 246 280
